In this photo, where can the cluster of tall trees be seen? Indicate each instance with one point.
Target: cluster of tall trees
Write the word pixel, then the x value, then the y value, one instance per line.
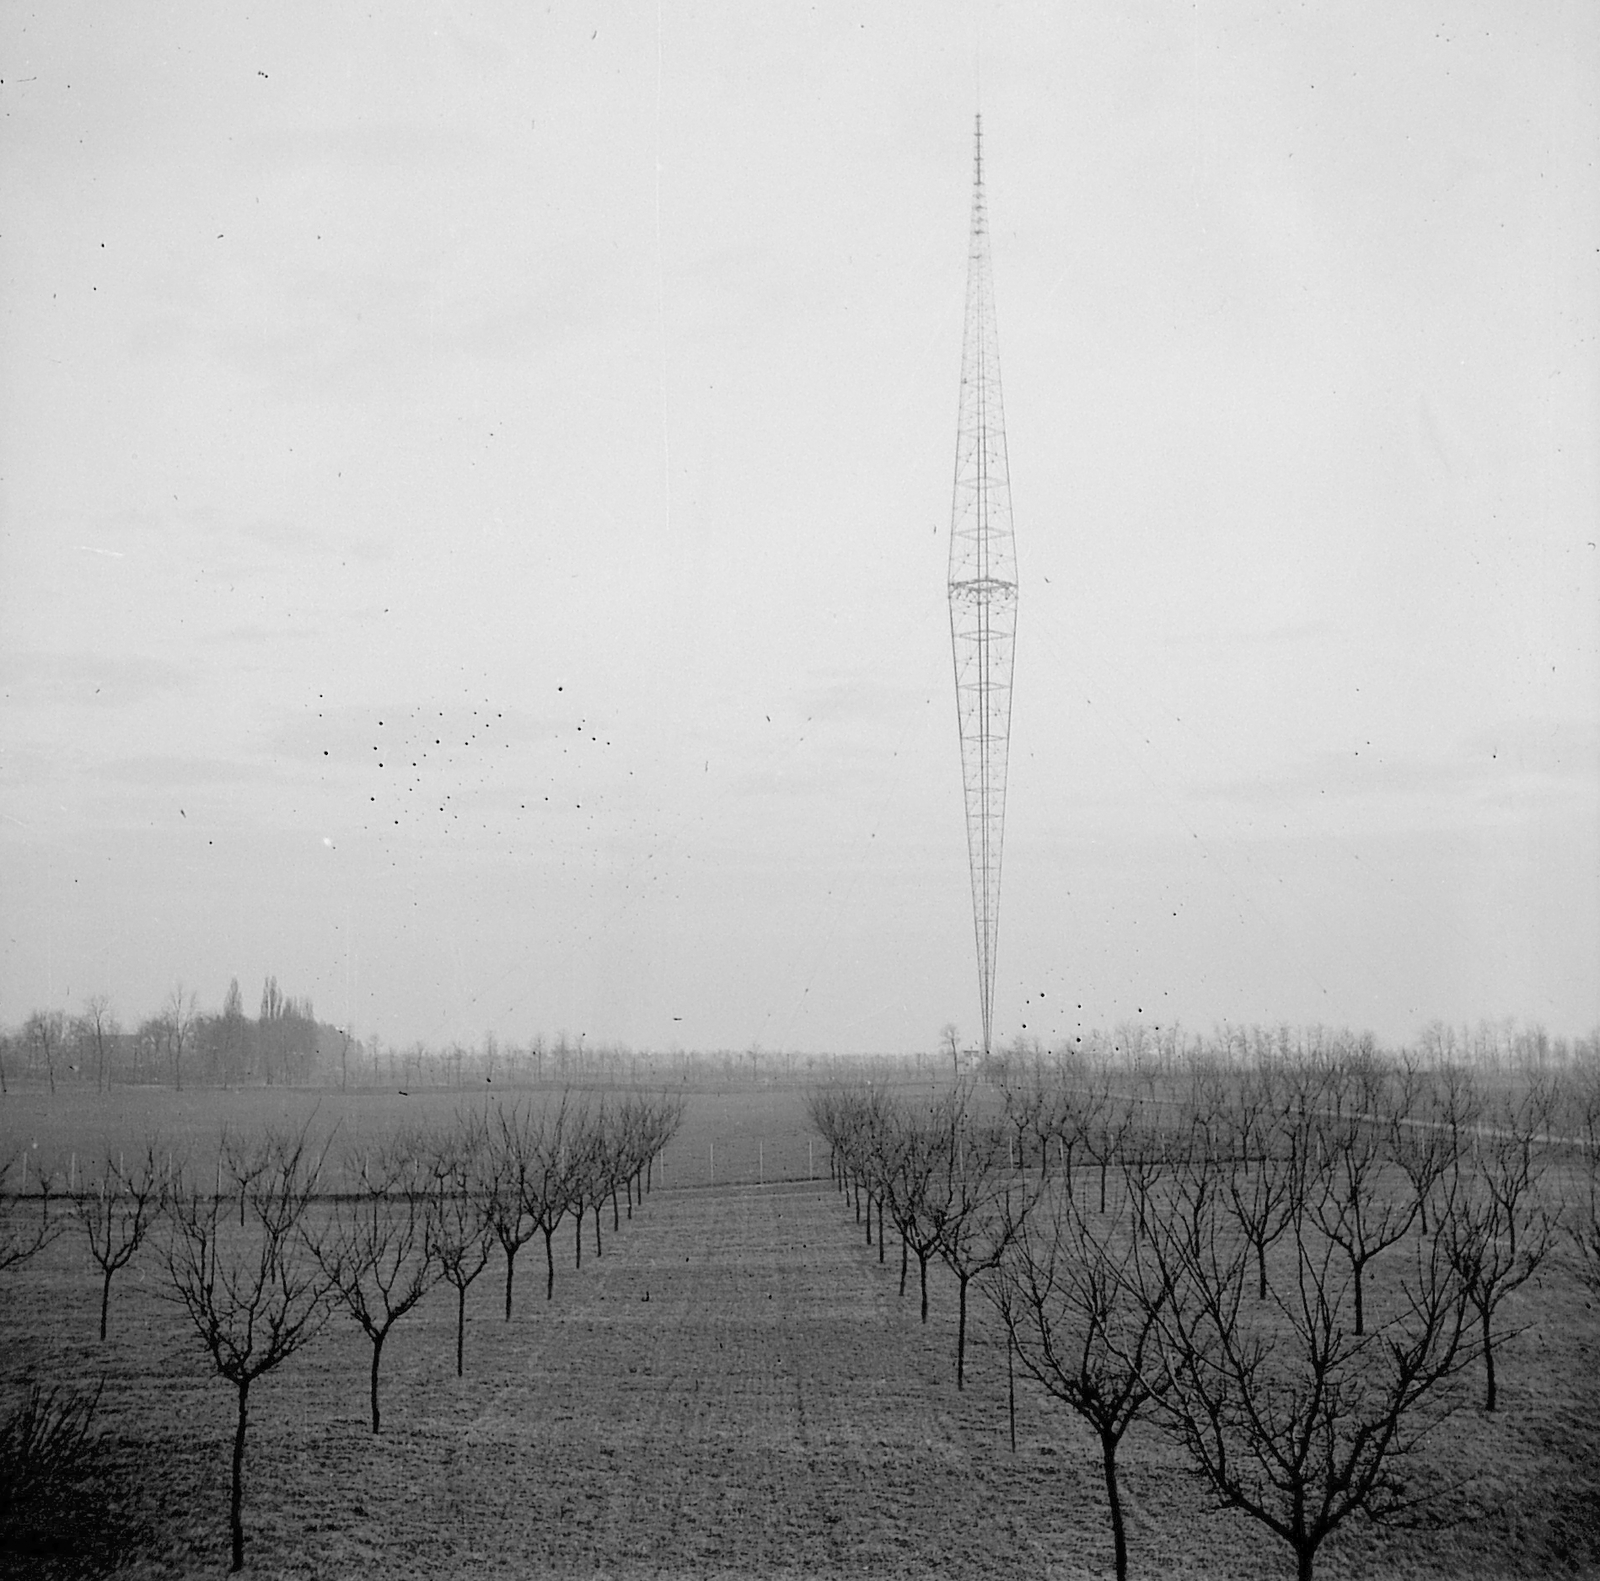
pixel 180 1044
pixel 262 1247
pixel 1294 1270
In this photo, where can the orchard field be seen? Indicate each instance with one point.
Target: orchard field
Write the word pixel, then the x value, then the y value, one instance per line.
pixel 734 1388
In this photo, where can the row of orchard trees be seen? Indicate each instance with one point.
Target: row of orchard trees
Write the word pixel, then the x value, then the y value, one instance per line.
pixel 1287 1268
pixel 261 1248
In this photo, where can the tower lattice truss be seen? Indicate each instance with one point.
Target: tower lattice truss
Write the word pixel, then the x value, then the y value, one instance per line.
pixel 983 595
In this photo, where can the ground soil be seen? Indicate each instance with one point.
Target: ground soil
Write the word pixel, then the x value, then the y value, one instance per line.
pixel 772 1409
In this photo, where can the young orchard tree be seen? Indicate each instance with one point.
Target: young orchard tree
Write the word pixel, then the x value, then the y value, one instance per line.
pixel 461 1208
pixel 576 1173
pixel 25 1230
pixel 1583 1214
pixel 1070 1293
pixel 1027 1106
pixel 665 1118
pixel 868 1148
pixel 1105 1121
pixel 967 1205
pixel 1422 1141
pixel 646 1128
pixel 253 1297
pixel 376 1250
pixel 245 1165
pixel 597 1174
pixel 1352 1199
pixel 1289 1413
pixel 1266 1193
pixel 513 1179
pixel 911 1174
pixel 893 1153
pixel 1059 1125
pixel 117 1213
pixel 824 1109
pixel 1495 1226
pixel 547 1190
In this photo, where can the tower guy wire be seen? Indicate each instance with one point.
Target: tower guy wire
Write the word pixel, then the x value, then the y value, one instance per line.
pixel 983 594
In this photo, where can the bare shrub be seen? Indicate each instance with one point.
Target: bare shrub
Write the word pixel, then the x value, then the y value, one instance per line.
pixel 47 1448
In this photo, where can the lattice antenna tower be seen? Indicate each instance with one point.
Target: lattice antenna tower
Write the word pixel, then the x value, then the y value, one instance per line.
pixel 983 594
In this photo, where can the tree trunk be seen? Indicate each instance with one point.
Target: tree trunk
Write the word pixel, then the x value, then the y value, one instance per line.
pixel 461 1326
pixel 1102 1185
pixel 1261 1269
pixel 961 1335
pixel 105 1302
pixel 880 1226
pixel 1360 1317
pixel 599 1250
pixel 577 1221
pixel 922 1259
pixel 615 1223
pixel 511 1268
pixel 1305 1556
pixel 1119 1537
pixel 1488 1359
pixel 377 1351
pixel 1011 1382
pixel 550 1264
pixel 236 1522
pixel 869 1218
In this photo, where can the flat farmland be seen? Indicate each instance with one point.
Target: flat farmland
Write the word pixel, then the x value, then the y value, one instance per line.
pixel 729 1136
pixel 734 1389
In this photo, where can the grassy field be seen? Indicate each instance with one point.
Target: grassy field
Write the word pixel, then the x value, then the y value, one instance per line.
pixel 734 1389
pixel 734 1136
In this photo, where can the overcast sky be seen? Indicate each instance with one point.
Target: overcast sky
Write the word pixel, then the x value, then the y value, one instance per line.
pixel 475 484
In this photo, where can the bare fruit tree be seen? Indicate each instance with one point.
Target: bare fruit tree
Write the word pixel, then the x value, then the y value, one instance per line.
pixel 969 1206
pixel 118 1212
pixel 515 1171
pixel 24 1230
pixel 1495 1226
pixel 1352 1200
pixel 253 1296
pixel 1291 1414
pixel 1068 1288
pixel 377 1250
pixel 462 1210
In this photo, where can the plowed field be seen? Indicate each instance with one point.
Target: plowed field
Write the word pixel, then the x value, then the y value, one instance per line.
pixel 733 1389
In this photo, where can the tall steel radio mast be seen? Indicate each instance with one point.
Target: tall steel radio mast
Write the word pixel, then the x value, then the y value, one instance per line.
pixel 983 594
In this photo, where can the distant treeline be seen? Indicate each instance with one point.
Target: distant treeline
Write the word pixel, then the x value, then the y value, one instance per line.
pixel 284 1043
pixel 180 1045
